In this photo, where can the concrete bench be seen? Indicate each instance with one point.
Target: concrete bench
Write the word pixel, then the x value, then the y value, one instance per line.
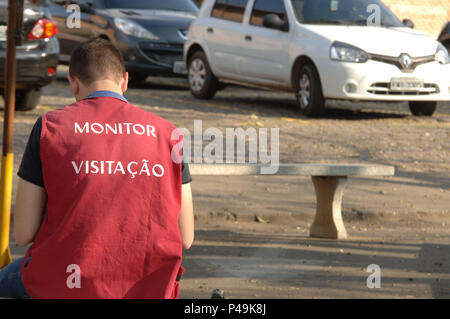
pixel 329 183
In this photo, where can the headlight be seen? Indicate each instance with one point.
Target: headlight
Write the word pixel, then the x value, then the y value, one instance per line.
pixel 134 29
pixel 442 55
pixel 347 53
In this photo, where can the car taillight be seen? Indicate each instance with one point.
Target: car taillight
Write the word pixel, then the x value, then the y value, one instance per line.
pixel 44 28
pixel 51 71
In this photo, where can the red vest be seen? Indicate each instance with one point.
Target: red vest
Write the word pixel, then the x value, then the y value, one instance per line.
pixel 114 197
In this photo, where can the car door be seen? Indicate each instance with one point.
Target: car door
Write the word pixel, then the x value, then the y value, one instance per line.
pixel 265 51
pixel 69 36
pixel 223 36
pixel 57 9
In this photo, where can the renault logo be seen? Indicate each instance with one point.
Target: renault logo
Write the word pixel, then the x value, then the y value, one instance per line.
pixel 183 33
pixel 406 61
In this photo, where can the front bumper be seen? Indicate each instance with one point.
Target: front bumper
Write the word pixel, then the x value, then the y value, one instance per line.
pixel 371 81
pixel 155 58
pixel 33 60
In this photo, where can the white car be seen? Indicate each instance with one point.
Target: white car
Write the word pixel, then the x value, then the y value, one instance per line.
pixel 319 49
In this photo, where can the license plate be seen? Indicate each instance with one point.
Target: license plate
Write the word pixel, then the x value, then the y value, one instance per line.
pixel 179 68
pixel 2 32
pixel 406 84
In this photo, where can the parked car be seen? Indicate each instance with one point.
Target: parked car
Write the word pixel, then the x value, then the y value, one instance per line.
pixel 150 34
pixel 444 37
pixel 37 56
pixel 318 49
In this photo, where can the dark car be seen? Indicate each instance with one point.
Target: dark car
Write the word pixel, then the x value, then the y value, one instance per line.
pixel 150 34
pixel 444 37
pixel 37 57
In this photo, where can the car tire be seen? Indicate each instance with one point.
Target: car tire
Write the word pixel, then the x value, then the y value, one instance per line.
pixel 202 82
pixel 422 108
pixel 136 78
pixel 309 91
pixel 447 46
pixel 27 100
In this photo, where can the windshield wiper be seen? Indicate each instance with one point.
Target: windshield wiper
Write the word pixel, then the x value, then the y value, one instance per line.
pixel 322 21
pixel 339 22
pixel 387 25
pixel 170 9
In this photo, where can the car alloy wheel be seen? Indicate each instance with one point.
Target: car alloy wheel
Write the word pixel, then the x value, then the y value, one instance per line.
pixel 308 90
pixel 197 74
pixel 202 82
pixel 304 93
pixel 27 100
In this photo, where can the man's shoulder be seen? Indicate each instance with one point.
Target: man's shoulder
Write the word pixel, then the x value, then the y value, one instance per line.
pixel 61 111
pixel 156 119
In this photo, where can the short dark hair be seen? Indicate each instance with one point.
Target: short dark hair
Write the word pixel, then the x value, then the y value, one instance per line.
pixel 96 59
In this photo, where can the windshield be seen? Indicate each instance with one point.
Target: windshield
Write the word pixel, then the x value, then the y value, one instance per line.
pixel 345 12
pixel 172 5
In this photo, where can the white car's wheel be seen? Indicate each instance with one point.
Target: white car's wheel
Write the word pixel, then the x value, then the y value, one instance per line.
pixel 202 82
pixel 422 108
pixel 447 46
pixel 309 91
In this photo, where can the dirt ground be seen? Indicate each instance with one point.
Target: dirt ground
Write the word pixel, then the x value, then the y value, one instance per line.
pixel 252 232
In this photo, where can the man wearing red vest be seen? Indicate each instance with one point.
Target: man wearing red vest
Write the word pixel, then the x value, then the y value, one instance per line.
pixel 103 197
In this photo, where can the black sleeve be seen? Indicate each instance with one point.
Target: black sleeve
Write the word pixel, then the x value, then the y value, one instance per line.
pixel 186 174
pixel 31 166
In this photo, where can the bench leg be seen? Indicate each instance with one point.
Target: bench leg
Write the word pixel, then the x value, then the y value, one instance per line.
pixel 328 222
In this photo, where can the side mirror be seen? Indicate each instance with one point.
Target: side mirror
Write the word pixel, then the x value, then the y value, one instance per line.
pixel 273 21
pixel 408 23
pixel 85 7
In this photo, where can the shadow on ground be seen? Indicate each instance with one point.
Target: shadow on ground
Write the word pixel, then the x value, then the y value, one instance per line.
pixel 263 102
pixel 337 268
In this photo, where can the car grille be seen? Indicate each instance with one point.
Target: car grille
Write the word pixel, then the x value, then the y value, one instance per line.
pixel 163 54
pixel 408 67
pixel 384 88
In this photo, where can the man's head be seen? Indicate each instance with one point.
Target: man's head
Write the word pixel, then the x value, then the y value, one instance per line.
pixel 97 65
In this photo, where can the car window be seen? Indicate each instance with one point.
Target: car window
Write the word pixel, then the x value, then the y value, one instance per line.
pixel 229 9
pixel 264 7
pixel 219 8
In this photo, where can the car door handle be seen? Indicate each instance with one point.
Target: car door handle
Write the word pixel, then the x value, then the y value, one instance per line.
pixel 248 38
pixel 210 30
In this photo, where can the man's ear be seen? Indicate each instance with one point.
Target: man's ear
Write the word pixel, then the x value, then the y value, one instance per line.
pixel 124 84
pixel 74 85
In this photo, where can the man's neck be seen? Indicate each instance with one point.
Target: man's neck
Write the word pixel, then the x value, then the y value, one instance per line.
pixel 105 85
